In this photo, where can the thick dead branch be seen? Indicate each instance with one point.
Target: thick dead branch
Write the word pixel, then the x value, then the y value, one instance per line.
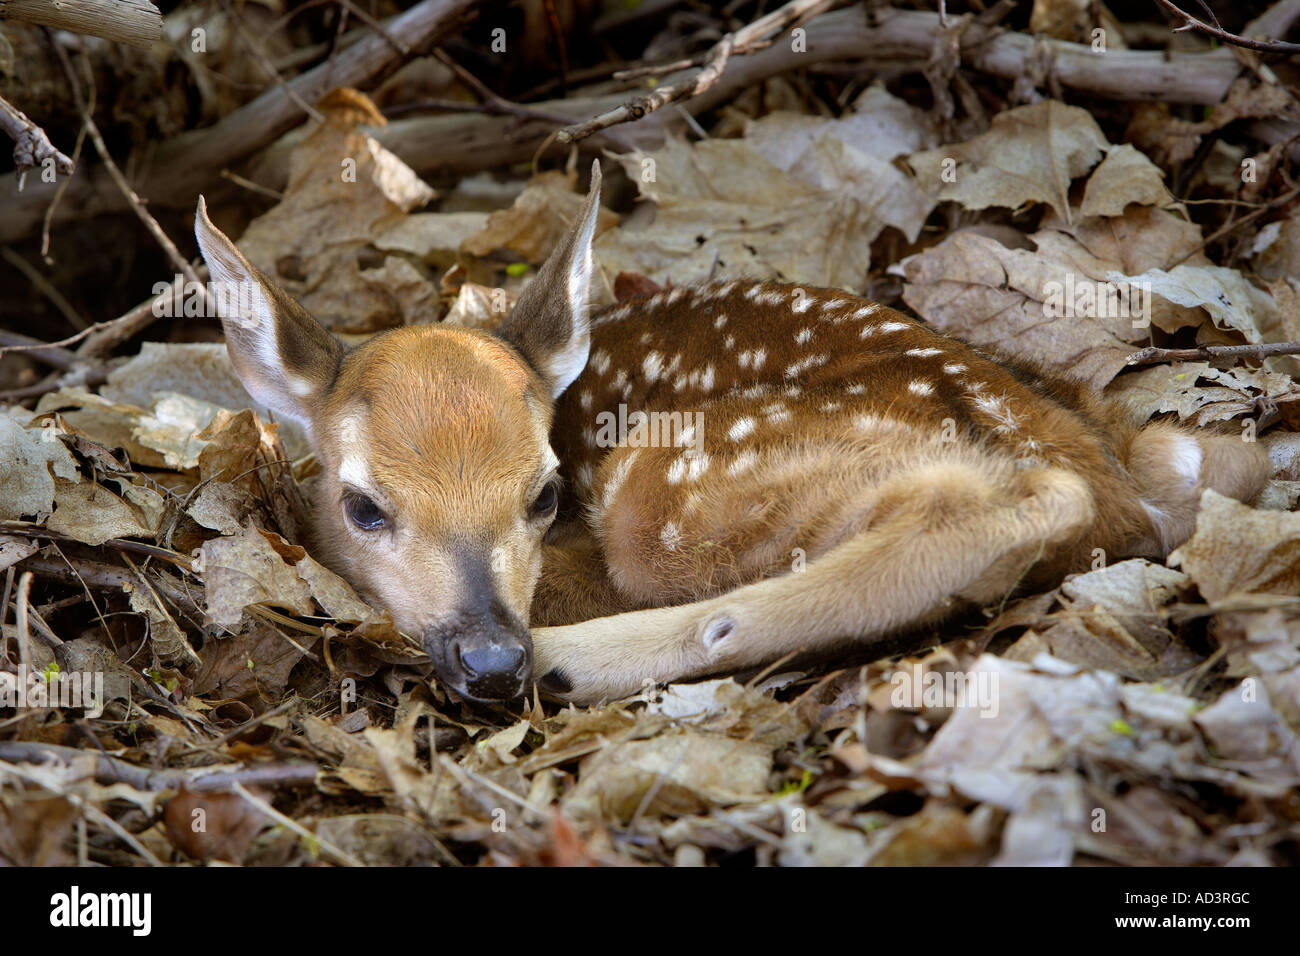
pixel 133 22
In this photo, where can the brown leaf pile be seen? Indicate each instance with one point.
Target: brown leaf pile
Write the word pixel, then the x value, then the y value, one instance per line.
pixel 255 709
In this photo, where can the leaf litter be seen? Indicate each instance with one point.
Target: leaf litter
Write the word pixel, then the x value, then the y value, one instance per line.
pixel 1140 713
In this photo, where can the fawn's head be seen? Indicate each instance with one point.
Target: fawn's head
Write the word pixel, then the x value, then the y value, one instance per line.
pixel 438 480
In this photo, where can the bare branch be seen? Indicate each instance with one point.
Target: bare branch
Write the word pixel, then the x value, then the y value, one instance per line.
pixel 133 22
pixel 756 36
pixel 31 146
pixel 1223 36
pixel 1154 356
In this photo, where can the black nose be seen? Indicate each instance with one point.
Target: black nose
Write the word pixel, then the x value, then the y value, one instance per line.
pixel 495 670
pixel 484 653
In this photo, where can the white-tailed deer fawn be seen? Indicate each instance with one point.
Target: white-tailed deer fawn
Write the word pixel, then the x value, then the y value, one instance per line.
pixel 834 472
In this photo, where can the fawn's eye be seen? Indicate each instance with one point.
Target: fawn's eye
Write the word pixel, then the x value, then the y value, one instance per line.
pixel 545 503
pixel 363 512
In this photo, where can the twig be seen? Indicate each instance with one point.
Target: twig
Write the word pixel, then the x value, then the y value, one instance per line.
pixel 43 286
pixel 37 350
pixel 106 577
pixel 326 847
pixel 756 36
pixel 1214 30
pixel 1154 356
pixel 267 66
pixel 180 262
pixel 104 335
pixel 31 146
pixel 24 633
pixel 110 769
pixel 87 376
pixel 1235 224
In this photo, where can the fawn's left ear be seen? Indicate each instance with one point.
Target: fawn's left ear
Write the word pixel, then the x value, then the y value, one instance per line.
pixel 549 324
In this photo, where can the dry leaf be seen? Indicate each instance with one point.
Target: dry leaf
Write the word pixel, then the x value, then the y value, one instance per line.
pixel 1029 155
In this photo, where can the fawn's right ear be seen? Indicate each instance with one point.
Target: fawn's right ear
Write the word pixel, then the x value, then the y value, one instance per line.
pixel 284 357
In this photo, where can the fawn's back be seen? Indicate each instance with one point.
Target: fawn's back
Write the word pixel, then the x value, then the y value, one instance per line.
pixel 799 404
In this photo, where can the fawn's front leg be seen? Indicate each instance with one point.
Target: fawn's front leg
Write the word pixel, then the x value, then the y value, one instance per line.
pixel 939 538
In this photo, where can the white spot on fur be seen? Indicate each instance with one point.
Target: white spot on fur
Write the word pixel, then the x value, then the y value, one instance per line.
pixel 918 387
pixel 730 342
pixel 857 389
pixel 617 477
pixel 804 364
pixel 803 336
pixel 922 353
pixel 777 413
pixel 741 428
pixel 600 361
pixel 954 368
pixel 720 321
pixel 892 326
pixel 652 366
pixel 831 407
pixel 585 401
pixel 670 536
pixel 998 410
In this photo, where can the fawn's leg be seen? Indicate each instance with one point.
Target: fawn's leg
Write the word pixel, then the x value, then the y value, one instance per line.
pixel 936 537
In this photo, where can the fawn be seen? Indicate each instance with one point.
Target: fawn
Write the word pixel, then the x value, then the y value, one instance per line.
pixel 840 473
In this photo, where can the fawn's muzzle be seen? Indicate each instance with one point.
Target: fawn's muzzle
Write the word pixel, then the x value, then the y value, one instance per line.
pixel 486 656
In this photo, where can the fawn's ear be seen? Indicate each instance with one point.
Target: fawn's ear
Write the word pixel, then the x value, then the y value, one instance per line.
pixel 549 323
pixel 285 359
